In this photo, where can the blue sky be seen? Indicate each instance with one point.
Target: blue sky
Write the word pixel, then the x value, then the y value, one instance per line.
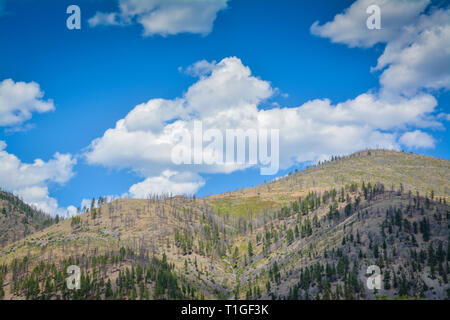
pixel 97 75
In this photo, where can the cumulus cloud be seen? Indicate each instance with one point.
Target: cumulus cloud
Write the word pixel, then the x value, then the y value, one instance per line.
pixel 417 38
pixel 169 183
pixel 164 17
pixel 419 58
pixel 30 180
pixel 350 26
pixel 227 96
pixel 18 100
pixel 417 139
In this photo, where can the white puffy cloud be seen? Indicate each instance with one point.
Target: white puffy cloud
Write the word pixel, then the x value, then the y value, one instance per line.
pixel 169 183
pixel 375 111
pixel 417 139
pixel 227 96
pixel 350 26
pixel 417 38
pixel 70 212
pixel 37 196
pixel 419 58
pixel 230 87
pixel 18 100
pixel 164 17
pixel 30 180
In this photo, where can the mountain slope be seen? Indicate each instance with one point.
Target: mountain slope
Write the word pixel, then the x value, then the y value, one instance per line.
pixel 17 219
pixel 396 170
pixel 310 235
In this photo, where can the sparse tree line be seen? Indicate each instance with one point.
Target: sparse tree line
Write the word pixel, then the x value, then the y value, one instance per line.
pixel 147 278
pixel 401 226
pixel 18 219
pixel 202 231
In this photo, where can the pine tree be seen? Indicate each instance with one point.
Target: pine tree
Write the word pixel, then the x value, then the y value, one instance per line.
pixel 108 291
pixel 375 251
pixel 290 236
pixel 387 280
pixel 250 249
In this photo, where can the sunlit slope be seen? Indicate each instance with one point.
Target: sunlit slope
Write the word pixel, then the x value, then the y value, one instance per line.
pixel 206 241
pixel 394 169
pixel 146 227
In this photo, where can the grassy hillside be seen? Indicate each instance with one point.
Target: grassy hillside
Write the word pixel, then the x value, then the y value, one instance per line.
pixel 310 235
pixel 412 172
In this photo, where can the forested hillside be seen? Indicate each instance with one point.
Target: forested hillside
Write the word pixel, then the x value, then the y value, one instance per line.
pixel 298 237
pixel 18 219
